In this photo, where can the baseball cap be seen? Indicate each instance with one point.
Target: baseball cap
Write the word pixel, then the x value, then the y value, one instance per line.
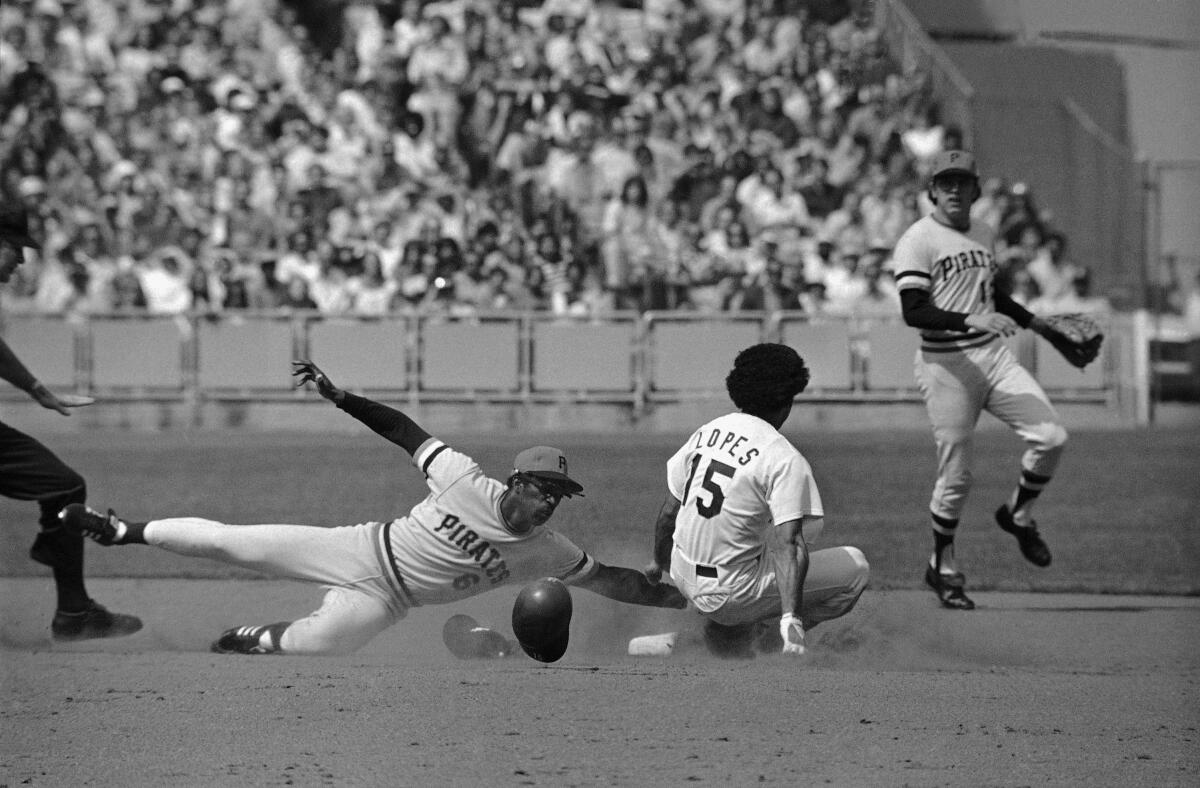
pixel 547 462
pixel 14 227
pixel 949 161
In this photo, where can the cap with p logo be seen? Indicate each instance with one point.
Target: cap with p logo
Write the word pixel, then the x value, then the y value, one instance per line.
pixel 547 462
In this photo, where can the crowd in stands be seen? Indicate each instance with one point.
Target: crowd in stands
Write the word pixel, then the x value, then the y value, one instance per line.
pixel 468 156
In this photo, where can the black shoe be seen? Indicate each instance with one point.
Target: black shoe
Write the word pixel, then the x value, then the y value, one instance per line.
pixel 1032 546
pixel 241 640
pixel 466 639
pixel 81 519
pixel 949 589
pixel 92 622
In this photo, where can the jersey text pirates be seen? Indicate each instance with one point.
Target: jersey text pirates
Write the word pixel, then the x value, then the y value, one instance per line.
pixel 455 544
pixel 957 268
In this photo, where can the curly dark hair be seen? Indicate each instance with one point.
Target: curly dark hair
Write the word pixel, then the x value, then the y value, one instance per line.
pixel 766 377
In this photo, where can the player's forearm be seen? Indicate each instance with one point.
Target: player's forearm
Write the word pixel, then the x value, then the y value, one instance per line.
pixel 789 552
pixel 1006 306
pixel 385 421
pixel 664 532
pixel 12 370
pixel 919 312
pixel 632 587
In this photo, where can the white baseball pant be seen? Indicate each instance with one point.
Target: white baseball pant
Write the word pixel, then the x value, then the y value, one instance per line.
pixel 957 387
pixel 349 560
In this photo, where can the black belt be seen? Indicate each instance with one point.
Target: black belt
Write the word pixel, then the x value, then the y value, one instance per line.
pixel 705 571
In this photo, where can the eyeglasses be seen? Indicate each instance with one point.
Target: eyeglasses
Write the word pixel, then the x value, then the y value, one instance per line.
pixel 955 182
pixel 550 494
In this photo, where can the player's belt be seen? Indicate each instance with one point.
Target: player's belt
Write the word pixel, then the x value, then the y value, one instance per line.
pixel 706 571
pixel 952 344
pixel 386 534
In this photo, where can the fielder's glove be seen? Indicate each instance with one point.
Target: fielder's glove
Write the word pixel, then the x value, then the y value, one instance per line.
pixel 307 372
pixel 1076 336
pixel 793 634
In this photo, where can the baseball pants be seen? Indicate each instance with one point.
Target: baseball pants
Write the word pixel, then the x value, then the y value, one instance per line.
pixel 836 578
pixel 957 387
pixel 348 560
pixel 31 472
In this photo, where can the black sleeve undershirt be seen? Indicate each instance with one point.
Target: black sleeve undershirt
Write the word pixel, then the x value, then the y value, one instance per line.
pixel 1006 306
pixel 919 312
pixel 387 422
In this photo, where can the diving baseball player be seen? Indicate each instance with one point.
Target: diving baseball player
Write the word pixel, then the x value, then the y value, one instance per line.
pixel 469 535
pixel 945 270
pixel 741 508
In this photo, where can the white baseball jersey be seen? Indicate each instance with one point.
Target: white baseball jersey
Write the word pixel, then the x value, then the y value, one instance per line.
pixel 736 477
pixel 455 544
pixel 957 268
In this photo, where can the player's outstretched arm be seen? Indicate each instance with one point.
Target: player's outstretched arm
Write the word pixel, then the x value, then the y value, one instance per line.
pixel 387 422
pixel 12 370
pixel 629 585
pixel 664 538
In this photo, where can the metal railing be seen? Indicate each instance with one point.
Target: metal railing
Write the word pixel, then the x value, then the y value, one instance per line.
pixel 627 359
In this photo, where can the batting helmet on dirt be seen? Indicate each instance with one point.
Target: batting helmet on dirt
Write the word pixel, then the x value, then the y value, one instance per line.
pixel 541 619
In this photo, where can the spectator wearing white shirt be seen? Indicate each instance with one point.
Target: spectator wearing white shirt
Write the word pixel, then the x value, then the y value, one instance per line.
pixel 438 67
pixel 769 207
pixel 165 285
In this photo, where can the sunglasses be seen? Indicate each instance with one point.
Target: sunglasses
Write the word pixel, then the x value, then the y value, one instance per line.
pixel 549 491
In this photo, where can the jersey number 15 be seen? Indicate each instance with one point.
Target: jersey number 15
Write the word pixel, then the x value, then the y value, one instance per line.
pixel 709 483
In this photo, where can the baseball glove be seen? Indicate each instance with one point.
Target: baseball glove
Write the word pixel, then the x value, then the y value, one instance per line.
pixel 1076 336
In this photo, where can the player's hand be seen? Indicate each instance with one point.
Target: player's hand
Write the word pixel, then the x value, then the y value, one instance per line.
pixel 993 323
pixel 48 399
pixel 653 573
pixel 792 632
pixel 307 372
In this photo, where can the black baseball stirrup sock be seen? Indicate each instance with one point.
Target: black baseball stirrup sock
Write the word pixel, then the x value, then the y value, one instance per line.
pixel 940 543
pixel 1029 487
pixel 135 533
pixel 941 539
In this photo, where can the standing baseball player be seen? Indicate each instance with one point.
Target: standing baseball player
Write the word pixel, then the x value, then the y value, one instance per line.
pixel 741 509
pixel 31 472
pixel 469 535
pixel 945 270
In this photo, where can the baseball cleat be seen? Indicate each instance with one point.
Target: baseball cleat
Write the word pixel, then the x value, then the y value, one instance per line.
pixel 1030 541
pixel 466 639
pixel 105 529
pixel 949 589
pixel 241 640
pixel 95 621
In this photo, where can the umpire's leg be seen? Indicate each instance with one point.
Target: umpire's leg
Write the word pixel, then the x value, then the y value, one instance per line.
pixel 31 472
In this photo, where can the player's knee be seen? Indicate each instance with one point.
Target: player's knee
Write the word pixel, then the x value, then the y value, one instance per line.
pixel 862 569
pixel 860 573
pixel 1055 437
pixel 70 488
pixel 1047 438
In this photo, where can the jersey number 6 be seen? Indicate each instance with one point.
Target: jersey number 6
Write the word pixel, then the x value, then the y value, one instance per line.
pixel 709 483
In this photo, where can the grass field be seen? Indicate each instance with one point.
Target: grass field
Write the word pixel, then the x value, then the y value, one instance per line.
pixel 1120 516
pixel 1057 689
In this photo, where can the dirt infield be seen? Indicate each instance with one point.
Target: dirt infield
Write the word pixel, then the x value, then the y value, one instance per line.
pixel 1047 688
pixel 1029 689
